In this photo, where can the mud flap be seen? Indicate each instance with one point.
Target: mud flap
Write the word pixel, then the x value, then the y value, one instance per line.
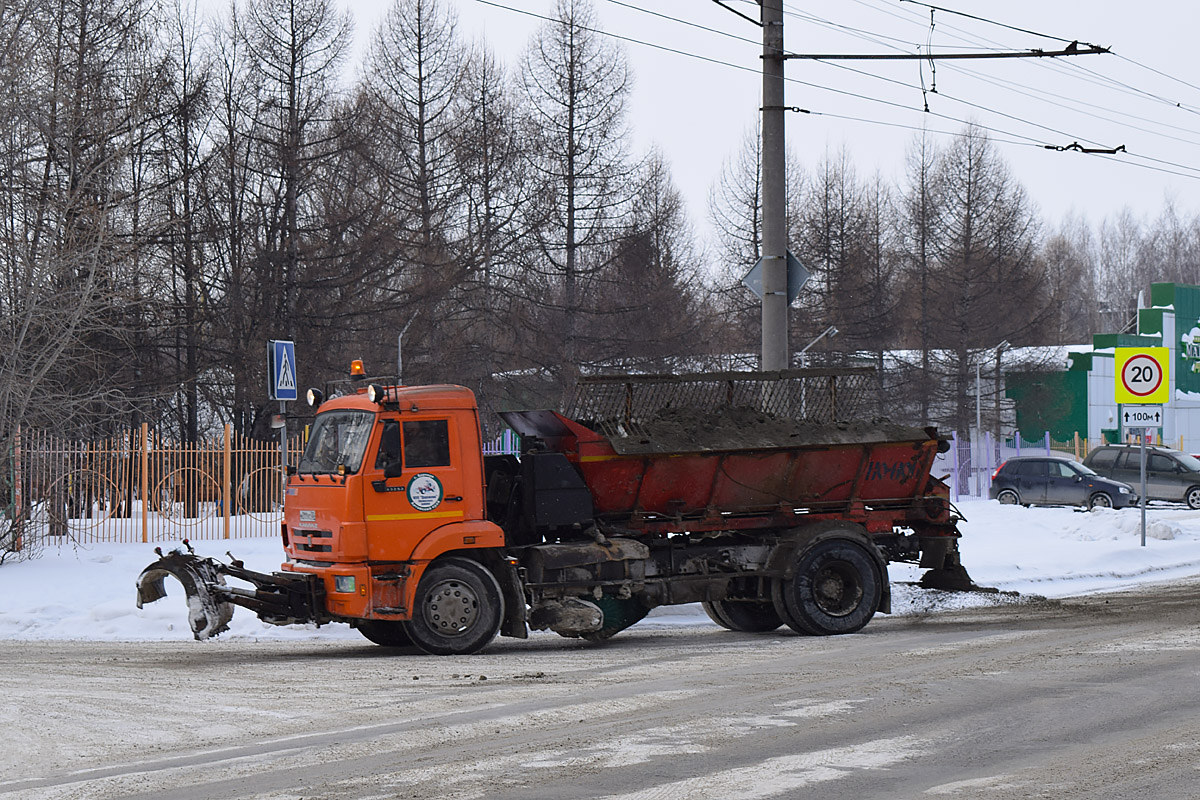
pixel 208 611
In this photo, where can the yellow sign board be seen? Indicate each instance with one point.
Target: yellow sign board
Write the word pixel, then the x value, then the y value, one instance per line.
pixel 1143 374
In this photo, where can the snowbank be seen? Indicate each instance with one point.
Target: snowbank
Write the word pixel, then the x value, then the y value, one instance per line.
pixel 88 592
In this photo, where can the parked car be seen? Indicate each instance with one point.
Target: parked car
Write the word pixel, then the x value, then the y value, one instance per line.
pixel 1170 474
pixel 1056 481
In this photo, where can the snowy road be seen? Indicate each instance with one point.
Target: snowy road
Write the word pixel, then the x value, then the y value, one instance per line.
pixel 1095 697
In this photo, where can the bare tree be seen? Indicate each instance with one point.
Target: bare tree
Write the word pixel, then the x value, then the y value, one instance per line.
pixel 917 243
pixel 575 85
pixel 1070 259
pixel 990 282
pixel 830 239
pixel 649 314
pixel 735 210
pixel 495 182
pixel 414 82
pixel 294 50
pixel 185 149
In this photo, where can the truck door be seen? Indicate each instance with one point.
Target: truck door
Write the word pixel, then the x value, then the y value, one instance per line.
pixel 414 486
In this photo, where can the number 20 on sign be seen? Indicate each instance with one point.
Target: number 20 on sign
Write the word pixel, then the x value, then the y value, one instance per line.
pixel 1143 374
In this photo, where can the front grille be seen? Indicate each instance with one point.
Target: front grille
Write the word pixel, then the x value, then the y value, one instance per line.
pixel 303 540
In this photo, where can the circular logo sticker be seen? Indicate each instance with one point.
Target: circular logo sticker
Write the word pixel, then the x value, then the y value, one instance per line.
pixel 425 492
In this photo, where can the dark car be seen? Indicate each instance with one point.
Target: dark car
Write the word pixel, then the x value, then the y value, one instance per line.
pixel 1056 481
pixel 1170 474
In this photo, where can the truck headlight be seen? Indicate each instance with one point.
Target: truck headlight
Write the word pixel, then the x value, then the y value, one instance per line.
pixel 343 583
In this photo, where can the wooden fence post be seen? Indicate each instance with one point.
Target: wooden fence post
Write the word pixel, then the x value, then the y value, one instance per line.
pixel 145 459
pixel 226 497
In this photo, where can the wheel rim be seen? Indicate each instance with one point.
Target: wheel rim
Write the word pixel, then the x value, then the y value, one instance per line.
pixel 1193 498
pixel 1101 501
pixel 1008 498
pixel 837 589
pixel 451 608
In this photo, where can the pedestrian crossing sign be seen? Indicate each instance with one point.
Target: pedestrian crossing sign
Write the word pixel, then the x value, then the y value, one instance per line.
pixel 281 359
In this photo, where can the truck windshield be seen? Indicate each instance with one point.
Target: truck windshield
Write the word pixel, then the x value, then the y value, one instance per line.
pixel 337 443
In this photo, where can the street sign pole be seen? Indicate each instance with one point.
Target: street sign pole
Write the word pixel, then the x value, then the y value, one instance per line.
pixel 281 375
pixel 283 454
pixel 1143 449
pixel 1142 377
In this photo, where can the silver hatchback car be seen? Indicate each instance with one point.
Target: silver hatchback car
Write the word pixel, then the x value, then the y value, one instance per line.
pixel 1170 474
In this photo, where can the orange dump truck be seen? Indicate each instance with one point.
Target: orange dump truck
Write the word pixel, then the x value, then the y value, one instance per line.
pixel 741 491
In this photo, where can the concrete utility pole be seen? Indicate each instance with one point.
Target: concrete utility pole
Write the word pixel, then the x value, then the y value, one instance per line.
pixel 775 352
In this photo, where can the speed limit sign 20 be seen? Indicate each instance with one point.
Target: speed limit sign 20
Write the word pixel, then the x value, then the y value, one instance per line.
pixel 1143 374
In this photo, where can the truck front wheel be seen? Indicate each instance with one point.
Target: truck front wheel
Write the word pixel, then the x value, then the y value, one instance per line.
pixel 385 633
pixel 835 588
pixel 458 608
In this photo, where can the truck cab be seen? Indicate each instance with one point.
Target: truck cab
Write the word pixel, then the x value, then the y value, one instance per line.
pixel 391 478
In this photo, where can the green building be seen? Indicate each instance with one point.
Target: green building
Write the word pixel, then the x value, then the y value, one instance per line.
pixel 1082 399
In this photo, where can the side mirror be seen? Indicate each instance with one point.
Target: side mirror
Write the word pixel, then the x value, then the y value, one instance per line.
pixel 1079 479
pixel 393 470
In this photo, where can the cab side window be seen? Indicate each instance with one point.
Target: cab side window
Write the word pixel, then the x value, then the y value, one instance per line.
pixel 389 445
pixel 427 443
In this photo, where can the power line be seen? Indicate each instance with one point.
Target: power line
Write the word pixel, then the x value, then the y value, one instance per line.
pixel 1017 88
pixel 989 21
pixel 1068 51
pixel 1158 72
pixel 1098 79
pixel 990 128
pixel 697 25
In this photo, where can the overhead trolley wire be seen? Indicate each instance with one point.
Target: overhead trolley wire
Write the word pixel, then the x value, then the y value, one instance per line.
pixel 1029 139
pixel 1175 78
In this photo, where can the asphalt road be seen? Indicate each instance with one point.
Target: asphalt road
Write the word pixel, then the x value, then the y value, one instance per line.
pixel 1091 698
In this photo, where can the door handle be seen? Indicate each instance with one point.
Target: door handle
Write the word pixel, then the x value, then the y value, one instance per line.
pixel 456 499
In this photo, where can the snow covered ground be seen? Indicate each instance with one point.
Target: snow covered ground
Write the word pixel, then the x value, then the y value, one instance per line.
pixel 88 592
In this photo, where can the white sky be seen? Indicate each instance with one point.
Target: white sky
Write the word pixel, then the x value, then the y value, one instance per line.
pixel 698 112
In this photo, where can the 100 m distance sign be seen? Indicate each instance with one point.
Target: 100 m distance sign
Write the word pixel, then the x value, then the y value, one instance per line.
pixel 1142 374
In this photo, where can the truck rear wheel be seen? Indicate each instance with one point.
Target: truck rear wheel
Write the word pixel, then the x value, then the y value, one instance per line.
pixel 385 633
pixel 458 608
pixel 836 588
pixel 743 615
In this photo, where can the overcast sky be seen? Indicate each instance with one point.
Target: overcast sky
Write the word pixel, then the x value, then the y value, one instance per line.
pixel 1145 96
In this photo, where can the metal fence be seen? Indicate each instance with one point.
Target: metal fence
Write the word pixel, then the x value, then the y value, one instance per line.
pixel 626 402
pixel 140 488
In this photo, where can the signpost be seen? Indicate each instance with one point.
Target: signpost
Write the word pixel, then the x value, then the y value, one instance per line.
pixel 1141 416
pixel 797 276
pixel 281 381
pixel 1143 375
pixel 1143 385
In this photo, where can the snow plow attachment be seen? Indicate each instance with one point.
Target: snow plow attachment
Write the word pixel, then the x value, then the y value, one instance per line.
pixel 208 612
pixel 278 599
